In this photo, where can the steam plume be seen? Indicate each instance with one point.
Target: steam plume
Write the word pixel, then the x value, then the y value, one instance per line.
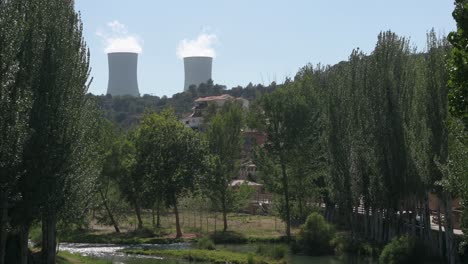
pixel 201 46
pixel 118 39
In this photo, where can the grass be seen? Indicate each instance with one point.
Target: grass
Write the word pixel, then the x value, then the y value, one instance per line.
pixel 242 228
pixel 128 238
pixel 68 258
pixel 213 256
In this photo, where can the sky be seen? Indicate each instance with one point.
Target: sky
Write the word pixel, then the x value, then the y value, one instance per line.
pixel 258 41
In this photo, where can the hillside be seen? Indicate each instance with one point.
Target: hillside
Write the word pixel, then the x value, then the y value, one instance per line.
pixel 126 111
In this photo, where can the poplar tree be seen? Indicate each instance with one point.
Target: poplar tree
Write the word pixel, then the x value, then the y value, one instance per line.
pixel 458 63
pixel 224 137
pixel 58 92
pixel 15 103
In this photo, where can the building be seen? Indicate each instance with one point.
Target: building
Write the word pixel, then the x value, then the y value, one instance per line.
pixel 198 70
pixel 123 74
pixel 195 119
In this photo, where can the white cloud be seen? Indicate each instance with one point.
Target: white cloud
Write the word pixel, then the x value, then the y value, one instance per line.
pixel 118 39
pixel 201 46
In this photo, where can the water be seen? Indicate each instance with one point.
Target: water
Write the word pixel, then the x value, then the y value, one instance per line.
pixel 111 252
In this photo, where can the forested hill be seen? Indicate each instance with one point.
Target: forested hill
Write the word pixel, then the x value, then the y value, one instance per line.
pixel 126 111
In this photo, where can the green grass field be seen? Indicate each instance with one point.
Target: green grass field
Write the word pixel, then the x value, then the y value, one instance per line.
pixel 255 226
pixel 194 225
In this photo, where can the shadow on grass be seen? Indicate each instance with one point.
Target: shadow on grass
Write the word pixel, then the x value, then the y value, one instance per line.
pixel 143 236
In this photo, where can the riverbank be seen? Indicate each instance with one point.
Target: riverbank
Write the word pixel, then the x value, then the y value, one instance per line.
pixel 69 258
pixel 212 256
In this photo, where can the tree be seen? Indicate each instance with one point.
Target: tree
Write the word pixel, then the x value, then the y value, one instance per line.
pixel 15 103
pixel 121 164
pixel 170 157
pixel 107 188
pixel 291 121
pixel 224 136
pixel 58 89
pixel 458 63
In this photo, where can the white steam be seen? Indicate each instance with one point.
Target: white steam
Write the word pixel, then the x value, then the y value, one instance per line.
pixel 118 39
pixel 201 46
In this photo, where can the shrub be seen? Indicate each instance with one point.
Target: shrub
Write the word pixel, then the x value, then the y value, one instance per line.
pixel 250 259
pixel 273 251
pixel 315 236
pixel 344 243
pixel 206 243
pixel 228 237
pixel 35 235
pixel 404 249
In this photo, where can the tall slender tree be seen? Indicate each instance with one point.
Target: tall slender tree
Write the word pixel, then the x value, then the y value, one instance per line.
pixel 224 136
pixel 58 91
pixel 15 103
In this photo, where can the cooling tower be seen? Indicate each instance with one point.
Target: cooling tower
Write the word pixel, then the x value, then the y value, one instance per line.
pixel 197 70
pixel 123 74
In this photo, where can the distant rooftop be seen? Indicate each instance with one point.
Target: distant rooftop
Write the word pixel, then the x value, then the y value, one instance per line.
pixel 241 182
pixel 215 98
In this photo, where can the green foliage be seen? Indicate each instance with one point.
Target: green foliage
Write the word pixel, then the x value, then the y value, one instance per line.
pixel 205 243
pixel 213 256
pixel 290 158
pixel 68 258
pixel 345 244
pixel 315 236
pixel 458 63
pixel 126 111
pixel 228 237
pixel 170 158
pixel 224 137
pixel 404 249
pixel 250 259
pixel 273 251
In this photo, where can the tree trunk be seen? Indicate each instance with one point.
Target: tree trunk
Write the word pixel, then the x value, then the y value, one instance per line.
pixel 49 235
pixel 441 241
pixel 176 212
pixel 225 227
pixel 109 212
pixel 286 200
pixel 24 249
pixel 158 216
pixel 427 224
pixel 138 214
pixel 3 225
pixel 153 214
pixel 449 238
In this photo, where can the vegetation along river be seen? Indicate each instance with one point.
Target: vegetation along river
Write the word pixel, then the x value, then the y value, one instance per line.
pixel 113 253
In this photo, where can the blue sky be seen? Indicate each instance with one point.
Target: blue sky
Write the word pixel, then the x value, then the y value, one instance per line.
pixel 257 41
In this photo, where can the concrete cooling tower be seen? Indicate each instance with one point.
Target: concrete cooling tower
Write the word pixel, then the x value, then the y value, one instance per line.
pixel 197 70
pixel 123 74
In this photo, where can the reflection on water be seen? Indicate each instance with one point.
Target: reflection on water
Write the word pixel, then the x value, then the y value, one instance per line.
pixel 111 252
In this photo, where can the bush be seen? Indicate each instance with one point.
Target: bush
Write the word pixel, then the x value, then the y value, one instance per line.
pixel 250 259
pixel 315 236
pixel 228 237
pixel 206 243
pixel 404 249
pixel 273 251
pixel 345 244
pixel 35 235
